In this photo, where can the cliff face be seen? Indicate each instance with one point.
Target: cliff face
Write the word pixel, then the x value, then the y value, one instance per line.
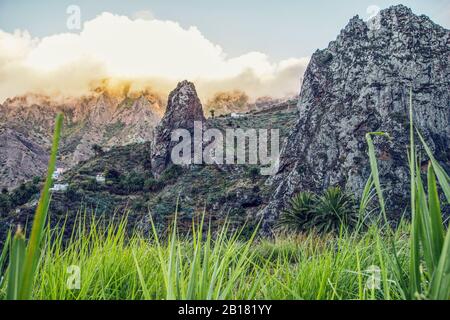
pixel 360 84
pixel 113 121
pixel 183 109
pixel 20 157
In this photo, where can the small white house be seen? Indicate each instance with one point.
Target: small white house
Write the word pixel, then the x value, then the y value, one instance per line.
pixel 100 178
pixel 59 187
pixel 236 115
pixel 57 174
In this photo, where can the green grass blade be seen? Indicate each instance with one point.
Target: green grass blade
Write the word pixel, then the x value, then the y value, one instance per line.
pixel 172 274
pixel 426 233
pixel 443 178
pixel 366 199
pixel 33 248
pixel 145 291
pixel 375 173
pixel 195 272
pixel 440 284
pixel 437 225
pixel 384 274
pixel 4 254
pixel 414 267
pixel 17 256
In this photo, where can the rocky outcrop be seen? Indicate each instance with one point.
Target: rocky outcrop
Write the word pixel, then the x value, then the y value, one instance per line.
pixel 113 122
pixel 360 84
pixel 183 109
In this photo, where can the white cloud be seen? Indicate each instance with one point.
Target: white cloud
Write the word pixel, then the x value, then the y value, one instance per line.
pixel 144 15
pixel 152 53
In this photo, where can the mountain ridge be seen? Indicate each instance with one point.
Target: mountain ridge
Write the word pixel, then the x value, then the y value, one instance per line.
pixel 359 84
pixel 104 120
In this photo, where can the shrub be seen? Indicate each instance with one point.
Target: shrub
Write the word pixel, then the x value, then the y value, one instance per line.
pixel 98 150
pixel 335 208
pixel 138 205
pixel 326 213
pixel 237 211
pixel 112 174
pixel 23 194
pixel 299 212
pixel 73 193
pixel 132 182
pixel 164 208
pixel 4 203
pixel 171 173
pixel 90 184
pixel 151 184
pixel 252 172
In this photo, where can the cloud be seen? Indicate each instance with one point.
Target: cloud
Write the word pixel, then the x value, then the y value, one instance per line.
pixel 147 53
pixel 144 15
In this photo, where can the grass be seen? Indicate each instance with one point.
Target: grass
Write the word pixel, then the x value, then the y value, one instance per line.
pixel 377 262
pixel 24 258
pixel 114 266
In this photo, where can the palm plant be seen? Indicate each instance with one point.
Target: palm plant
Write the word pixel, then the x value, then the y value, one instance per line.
pixel 300 210
pixel 329 212
pixel 335 208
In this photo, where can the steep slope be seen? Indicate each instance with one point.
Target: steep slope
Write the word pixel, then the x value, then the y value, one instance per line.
pixel 21 159
pixel 113 121
pixel 360 84
pixel 103 119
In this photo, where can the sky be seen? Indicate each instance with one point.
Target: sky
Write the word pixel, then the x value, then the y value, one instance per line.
pixel 259 46
pixel 281 28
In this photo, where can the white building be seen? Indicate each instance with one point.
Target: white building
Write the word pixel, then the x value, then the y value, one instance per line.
pixel 59 187
pixel 236 115
pixel 57 174
pixel 100 178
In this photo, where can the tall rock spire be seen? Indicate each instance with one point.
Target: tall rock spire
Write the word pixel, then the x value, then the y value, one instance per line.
pixel 183 108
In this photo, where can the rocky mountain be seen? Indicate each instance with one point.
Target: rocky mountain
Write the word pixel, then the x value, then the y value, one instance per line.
pixel 183 109
pixel 360 83
pixel 103 119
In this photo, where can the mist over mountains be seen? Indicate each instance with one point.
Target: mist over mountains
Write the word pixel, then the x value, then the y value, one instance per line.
pixel 146 54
